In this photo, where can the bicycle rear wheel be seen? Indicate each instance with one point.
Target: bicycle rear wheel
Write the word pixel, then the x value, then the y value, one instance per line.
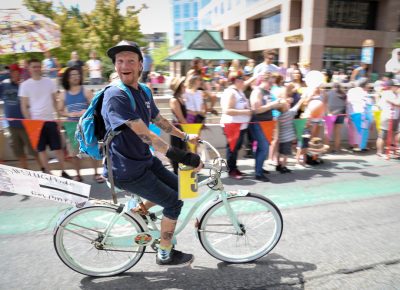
pixel 77 242
pixel 258 217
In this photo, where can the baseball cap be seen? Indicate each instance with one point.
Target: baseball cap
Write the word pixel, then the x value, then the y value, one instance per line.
pixel 124 45
pixel 14 66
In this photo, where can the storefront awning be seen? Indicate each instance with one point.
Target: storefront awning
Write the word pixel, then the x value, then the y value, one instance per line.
pixel 206 45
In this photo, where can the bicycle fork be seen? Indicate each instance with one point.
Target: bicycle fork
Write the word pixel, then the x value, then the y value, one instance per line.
pixel 235 222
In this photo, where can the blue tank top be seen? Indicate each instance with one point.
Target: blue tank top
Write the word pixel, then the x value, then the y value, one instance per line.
pixel 75 103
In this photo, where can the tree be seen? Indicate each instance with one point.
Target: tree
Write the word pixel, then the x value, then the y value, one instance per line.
pixel 159 57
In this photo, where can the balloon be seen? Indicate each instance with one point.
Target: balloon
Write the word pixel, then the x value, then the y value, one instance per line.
pixel 314 79
pixel 316 109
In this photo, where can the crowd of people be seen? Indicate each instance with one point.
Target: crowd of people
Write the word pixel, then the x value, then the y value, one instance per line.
pixel 250 93
pixel 266 92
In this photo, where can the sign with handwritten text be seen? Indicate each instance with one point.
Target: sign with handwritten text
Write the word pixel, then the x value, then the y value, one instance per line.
pixel 42 185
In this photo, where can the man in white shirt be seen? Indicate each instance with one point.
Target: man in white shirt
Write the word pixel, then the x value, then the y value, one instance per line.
pixel 94 67
pixel 357 99
pixel 267 65
pixel 390 105
pixel 38 102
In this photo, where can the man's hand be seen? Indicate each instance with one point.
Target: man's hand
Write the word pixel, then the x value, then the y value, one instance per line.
pixel 200 167
pixel 194 139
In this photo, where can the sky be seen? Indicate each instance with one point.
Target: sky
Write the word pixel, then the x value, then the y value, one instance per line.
pixel 157 18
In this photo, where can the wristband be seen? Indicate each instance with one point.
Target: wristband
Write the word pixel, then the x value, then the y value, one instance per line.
pixel 185 138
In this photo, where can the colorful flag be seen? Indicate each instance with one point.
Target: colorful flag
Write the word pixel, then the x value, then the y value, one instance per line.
pixel 299 125
pixel 232 132
pixel 268 129
pixel 192 129
pixel 70 128
pixel 329 124
pixel 33 128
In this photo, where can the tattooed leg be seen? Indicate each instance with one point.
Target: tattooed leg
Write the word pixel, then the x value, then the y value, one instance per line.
pixel 167 231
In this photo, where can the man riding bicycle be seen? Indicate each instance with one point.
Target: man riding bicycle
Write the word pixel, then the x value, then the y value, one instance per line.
pixel 134 168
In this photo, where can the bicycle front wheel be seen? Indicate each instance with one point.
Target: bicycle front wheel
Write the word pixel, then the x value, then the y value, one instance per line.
pixel 260 221
pixel 79 241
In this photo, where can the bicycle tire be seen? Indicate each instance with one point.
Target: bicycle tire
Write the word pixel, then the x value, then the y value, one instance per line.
pixel 218 236
pixel 75 238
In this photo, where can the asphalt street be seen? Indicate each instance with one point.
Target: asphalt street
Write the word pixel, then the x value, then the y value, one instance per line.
pixel 341 231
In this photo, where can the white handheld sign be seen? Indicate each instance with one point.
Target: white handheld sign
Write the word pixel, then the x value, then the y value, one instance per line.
pixel 42 185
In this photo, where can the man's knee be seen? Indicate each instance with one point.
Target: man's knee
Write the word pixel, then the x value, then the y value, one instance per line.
pixel 173 212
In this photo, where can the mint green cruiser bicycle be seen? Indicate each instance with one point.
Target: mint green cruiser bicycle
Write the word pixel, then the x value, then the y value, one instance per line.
pixel 104 239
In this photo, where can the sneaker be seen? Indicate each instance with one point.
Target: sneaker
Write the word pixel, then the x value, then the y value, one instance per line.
pixel 65 175
pixel 240 172
pixel 266 171
pixel 235 175
pixel 174 258
pixel 278 168
pixel 286 170
pixel 262 178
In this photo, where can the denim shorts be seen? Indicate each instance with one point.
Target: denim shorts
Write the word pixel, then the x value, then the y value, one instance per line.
pixel 158 185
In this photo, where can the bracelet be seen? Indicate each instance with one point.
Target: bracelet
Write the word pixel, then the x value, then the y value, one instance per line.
pixel 185 138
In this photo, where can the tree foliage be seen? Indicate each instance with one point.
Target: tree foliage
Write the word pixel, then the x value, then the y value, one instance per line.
pixel 97 30
pixel 159 57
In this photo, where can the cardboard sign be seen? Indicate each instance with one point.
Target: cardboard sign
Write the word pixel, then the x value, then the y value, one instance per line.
pixel 42 185
pixel 187 183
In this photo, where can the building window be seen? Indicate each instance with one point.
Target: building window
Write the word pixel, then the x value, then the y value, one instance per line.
pixel 177 11
pixel 186 10
pixel 341 58
pixel 195 9
pixel 204 3
pixel 195 24
pixel 222 8
pixel 186 25
pixel 178 28
pixel 268 25
pixel 352 14
pixel 236 33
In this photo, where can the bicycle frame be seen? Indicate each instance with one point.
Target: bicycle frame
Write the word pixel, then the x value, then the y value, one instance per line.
pixel 154 231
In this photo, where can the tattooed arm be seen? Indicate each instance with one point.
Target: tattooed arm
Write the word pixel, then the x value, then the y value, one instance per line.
pixel 148 137
pixel 167 127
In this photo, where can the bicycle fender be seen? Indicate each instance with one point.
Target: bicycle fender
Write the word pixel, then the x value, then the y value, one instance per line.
pixel 69 211
pixel 211 203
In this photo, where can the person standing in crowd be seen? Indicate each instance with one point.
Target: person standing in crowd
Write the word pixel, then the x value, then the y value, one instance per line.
pixel 357 99
pixel 262 106
pixel 178 108
pixel 235 66
pixel 337 106
pixel 208 96
pixel 194 102
pixel 221 76
pixel 235 109
pixel 39 102
pixel 287 133
pixel 94 68
pixel 249 67
pixel 393 65
pixel 390 117
pixel 289 72
pixel 275 93
pixel 12 109
pixel 73 103
pixel 76 62
pixel 305 68
pixel 147 66
pixel 267 66
pixel 50 66
pixel 360 72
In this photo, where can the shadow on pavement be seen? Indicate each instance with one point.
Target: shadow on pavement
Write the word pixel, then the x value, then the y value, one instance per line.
pixel 271 272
